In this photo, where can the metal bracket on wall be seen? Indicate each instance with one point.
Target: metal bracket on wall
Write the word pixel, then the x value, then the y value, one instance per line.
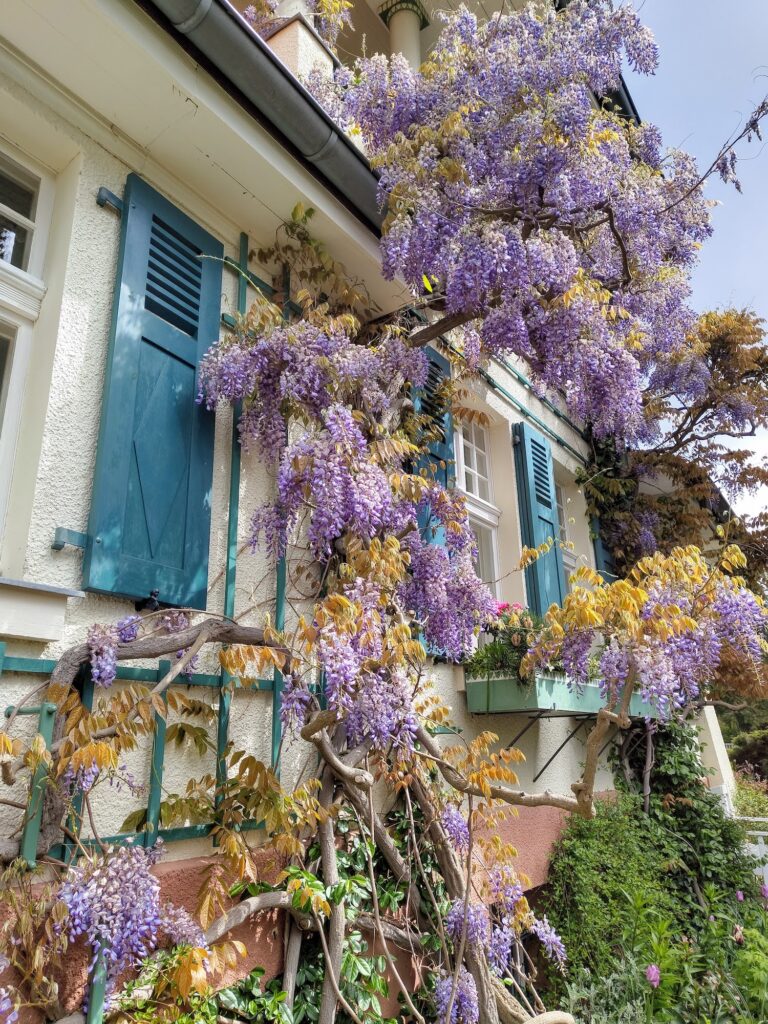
pixel 106 198
pixel 64 536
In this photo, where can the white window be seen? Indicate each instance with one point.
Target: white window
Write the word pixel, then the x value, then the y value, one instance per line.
pixel 19 193
pixel 570 561
pixel 473 474
pixel 473 470
pixel 26 197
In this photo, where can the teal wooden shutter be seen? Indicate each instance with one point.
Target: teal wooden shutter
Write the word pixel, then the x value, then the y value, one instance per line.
pixel 151 508
pixel 439 462
pixel 538 517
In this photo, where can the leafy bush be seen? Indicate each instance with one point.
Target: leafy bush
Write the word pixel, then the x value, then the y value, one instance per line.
pixel 596 865
pixel 664 976
pixel 699 842
pixel 673 890
pixel 751 799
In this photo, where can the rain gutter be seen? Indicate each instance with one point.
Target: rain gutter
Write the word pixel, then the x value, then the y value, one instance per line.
pixel 215 34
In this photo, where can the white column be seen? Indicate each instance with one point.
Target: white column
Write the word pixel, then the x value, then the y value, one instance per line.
pixel 405 35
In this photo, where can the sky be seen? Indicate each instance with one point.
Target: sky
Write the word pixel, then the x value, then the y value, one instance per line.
pixel 713 72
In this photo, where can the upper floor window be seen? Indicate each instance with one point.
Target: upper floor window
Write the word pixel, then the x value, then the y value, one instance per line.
pixel 19 193
pixel 26 203
pixel 473 473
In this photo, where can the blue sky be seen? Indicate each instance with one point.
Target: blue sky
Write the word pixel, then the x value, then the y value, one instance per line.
pixel 713 73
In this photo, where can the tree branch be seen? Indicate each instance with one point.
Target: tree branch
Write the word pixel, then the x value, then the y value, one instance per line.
pixel 510 796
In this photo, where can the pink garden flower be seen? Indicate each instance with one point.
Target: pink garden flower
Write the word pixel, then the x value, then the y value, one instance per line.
pixel 653 975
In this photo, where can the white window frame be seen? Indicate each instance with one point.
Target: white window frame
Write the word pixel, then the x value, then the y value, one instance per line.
pixel 462 469
pixel 482 512
pixel 21 296
pixel 570 558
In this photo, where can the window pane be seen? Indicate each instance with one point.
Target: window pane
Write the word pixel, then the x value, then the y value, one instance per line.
pixel 15 192
pixel 483 490
pixel 484 542
pixel 482 464
pixel 6 347
pixel 469 460
pixel 14 243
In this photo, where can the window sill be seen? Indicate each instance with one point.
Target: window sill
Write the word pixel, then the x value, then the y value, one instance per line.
pixel 481 509
pixel 20 293
pixel 33 611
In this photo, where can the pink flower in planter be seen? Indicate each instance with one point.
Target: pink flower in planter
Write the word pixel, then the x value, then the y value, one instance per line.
pixel 517 607
pixel 653 975
pixel 501 607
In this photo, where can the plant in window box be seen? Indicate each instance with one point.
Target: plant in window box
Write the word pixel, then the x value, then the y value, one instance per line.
pixel 504 641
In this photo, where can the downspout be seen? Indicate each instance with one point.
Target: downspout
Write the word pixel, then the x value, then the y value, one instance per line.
pixel 217 30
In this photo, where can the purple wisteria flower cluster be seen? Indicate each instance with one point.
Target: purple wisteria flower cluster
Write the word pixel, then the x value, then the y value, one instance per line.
pixel 178 925
pixel 550 941
pixel 456 828
pixel 478 924
pixel 114 902
pixel 556 230
pixel 102 643
pixel 465 1009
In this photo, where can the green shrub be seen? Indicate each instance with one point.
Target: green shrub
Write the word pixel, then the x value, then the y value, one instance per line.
pixel 751 800
pixel 699 842
pixel 595 866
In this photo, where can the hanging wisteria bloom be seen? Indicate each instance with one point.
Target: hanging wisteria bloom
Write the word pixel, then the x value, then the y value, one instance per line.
pixel 114 902
pixel 550 941
pixel 500 949
pixel 102 643
pixel 465 1009
pixel 552 228
pixel 178 925
pixel 478 925
pixel 456 828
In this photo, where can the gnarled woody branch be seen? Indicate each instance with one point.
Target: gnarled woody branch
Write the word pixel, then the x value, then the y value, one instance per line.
pixel 511 796
pixel 218 631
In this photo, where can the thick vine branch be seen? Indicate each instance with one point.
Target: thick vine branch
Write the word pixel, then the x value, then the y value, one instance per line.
pixel 510 796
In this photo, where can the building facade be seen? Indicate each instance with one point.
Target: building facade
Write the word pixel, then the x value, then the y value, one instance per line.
pixel 136 137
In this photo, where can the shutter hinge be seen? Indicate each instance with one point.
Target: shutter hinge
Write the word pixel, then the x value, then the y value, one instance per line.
pixel 64 536
pixel 106 198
